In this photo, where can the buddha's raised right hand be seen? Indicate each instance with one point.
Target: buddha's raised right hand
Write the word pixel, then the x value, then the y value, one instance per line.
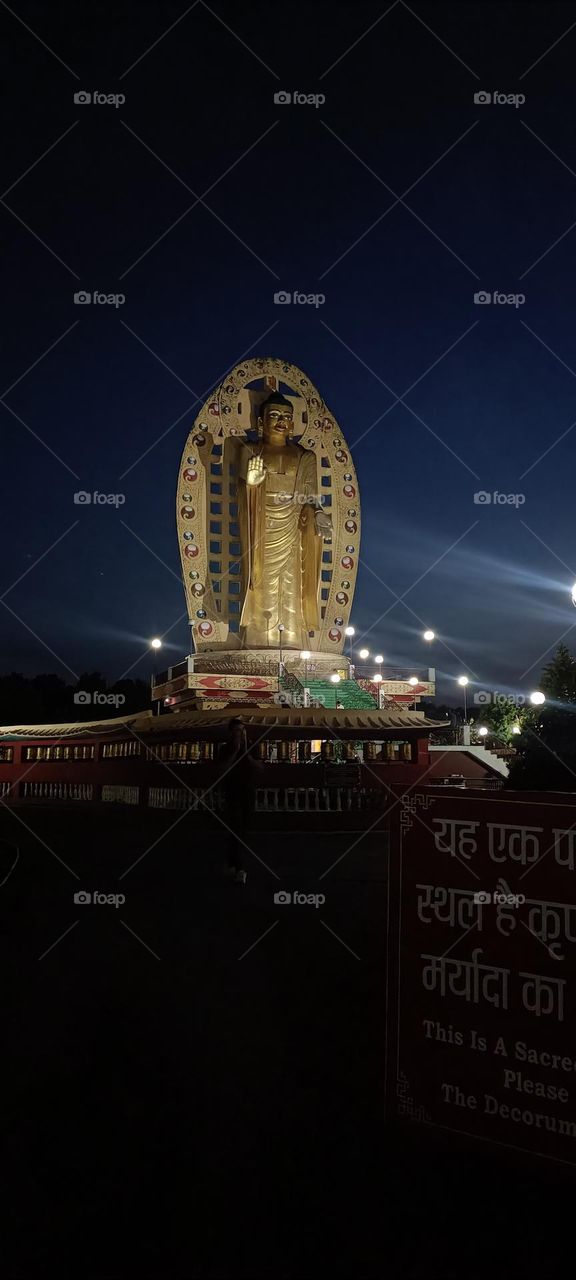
pixel 256 471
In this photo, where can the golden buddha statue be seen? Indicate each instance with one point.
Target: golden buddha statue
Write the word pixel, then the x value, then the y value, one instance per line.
pixel 282 526
pixel 268 517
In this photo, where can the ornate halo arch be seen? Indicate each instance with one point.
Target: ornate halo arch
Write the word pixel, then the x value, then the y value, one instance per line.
pixel 206 511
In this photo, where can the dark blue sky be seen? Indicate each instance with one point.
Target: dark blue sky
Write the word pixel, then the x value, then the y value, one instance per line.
pixel 493 387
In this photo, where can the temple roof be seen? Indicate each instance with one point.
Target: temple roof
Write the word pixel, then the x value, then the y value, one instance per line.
pixel 313 721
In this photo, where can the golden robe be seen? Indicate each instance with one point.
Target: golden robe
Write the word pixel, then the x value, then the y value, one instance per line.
pixel 282 553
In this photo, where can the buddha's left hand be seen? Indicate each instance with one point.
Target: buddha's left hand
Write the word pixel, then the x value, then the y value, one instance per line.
pixel 323 522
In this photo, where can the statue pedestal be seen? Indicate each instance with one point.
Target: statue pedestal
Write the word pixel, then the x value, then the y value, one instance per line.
pixel 290 657
pixel 255 677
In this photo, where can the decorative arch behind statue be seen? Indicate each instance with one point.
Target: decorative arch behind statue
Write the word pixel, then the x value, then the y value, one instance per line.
pixel 255 547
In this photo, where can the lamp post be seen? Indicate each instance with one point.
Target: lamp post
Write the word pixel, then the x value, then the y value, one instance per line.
pixel 464 682
pixel 537 698
pixel 305 656
pixel 350 631
pixel 414 681
pixel 377 679
pixel 155 644
pixel 335 679
pixel 428 635
pixel 281 659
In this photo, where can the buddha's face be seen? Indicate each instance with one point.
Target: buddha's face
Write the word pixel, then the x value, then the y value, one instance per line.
pixel 277 423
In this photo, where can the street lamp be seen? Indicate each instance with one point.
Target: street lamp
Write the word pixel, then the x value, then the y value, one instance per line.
pixel 428 635
pixel 379 659
pixel 281 656
pixel 482 731
pixel 574 594
pixel 305 656
pixel 349 632
pixel 537 699
pixel 516 728
pixel 464 682
pixel 364 654
pixel 413 680
pixel 335 678
pixel 155 644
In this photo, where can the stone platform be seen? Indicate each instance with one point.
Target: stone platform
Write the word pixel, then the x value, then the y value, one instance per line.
pixel 251 678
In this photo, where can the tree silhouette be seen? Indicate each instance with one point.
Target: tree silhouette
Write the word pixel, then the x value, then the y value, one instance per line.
pixel 546 759
pixel 558 679
pixel 47 699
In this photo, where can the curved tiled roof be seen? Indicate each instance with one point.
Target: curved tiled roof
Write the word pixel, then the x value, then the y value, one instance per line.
pixel 306 718
pixel 78 728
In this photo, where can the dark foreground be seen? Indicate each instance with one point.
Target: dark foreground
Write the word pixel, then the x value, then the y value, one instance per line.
pixel 193 1080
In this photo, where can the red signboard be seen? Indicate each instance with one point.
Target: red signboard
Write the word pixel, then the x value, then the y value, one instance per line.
pixel 482 1027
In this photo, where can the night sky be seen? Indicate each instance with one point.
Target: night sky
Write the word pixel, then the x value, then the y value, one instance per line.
pixel 198 199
